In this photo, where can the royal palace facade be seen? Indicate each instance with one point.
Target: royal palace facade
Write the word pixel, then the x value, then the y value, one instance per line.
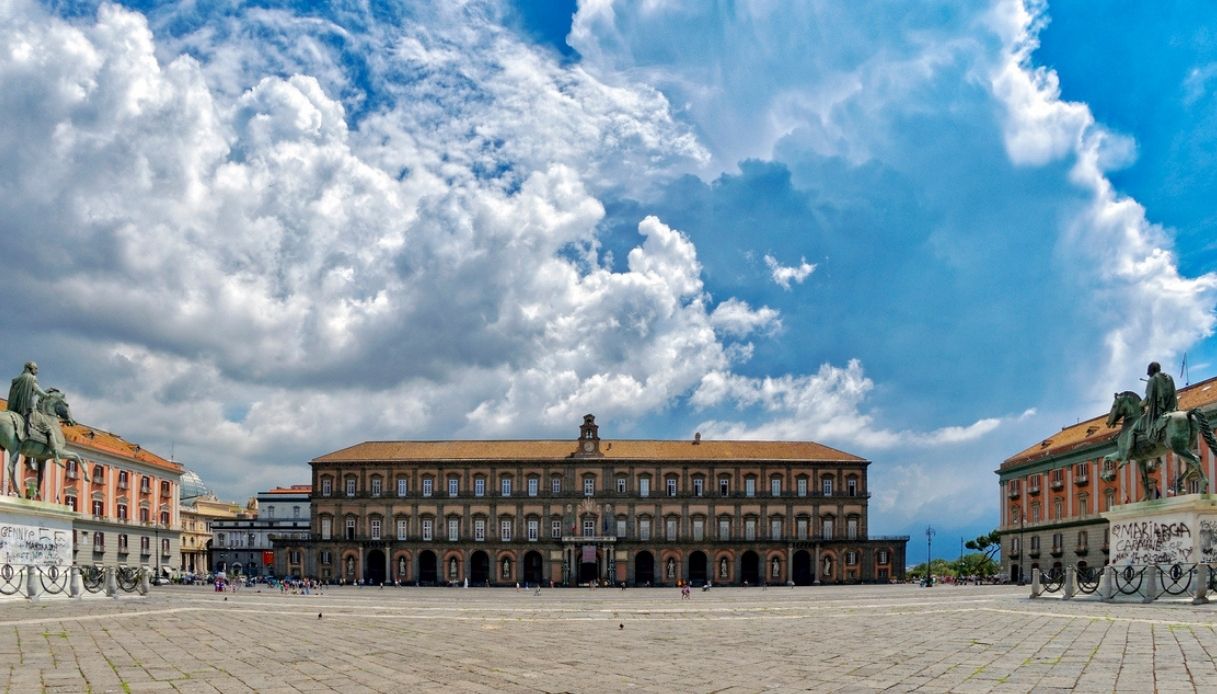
pixel 1053 493
pixel 593 510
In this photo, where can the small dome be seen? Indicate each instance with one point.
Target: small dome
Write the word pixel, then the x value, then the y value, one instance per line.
pixel 191 486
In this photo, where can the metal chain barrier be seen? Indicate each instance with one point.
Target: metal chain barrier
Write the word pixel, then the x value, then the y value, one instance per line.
pixel 1089 579
pixel 11 579
pixel 1054 580
pixel 93 578
pixel 1125 580
pixel 128 578
pixel 1173 582
pixel 58 579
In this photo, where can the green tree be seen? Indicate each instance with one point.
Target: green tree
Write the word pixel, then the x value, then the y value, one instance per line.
pixel 974 564
pixel 989 544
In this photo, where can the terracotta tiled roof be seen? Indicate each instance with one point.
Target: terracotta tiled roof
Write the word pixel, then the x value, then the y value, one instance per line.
pixel 293 489
pixel 90 438
pixel 612 450
pixel 1094 432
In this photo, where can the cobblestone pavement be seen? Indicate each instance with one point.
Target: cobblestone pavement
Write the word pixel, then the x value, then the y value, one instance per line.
pixel 864 638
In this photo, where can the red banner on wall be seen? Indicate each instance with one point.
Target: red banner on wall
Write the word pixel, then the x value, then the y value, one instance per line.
pixel 268 558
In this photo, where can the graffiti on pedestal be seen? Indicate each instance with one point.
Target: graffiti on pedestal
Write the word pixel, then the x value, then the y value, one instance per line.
pixel 33 545
pixel 1151 542
pixel 1208 540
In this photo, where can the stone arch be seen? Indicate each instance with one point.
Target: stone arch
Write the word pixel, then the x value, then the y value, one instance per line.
pixel 783 571
pixel 669 568
pixel 513 567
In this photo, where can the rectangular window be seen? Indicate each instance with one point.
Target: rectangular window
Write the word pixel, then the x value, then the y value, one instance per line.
pixel 851 558
pixel 295 513
pixel 620 527
pixel 505 530
pixel 826 486
pixel 454 530
pixel 644 486
pixel 350 529
pixel 851 528
pixel 532 486
pixel 670 529
pixel 724 487
pixel 882 559
pixel 644 528
pixel 671 487
pixel 403 486
pixel 1056 508
pixel 801 486
pixel 375 486
pixel 589 527
pixel 699 529
pixel 427 483
pixel 327 486
pixel 98 507
pixel 699 486
pixel 479 487
pixel 775 528
pixel 801 528
pixel 621 485
pixel 555 485
pixel 453 486
pixel 505 484
pixel 775 487
pixel 589 486
pixel 827 528
pixel 479 530
pixel 375 528
pixel 427 529
pixel 534 531
pixel 402 527
pixel 749 487
pixel 724 529
pixel 851 487
pixel 555 529
pixel 350 486
pixel 750 529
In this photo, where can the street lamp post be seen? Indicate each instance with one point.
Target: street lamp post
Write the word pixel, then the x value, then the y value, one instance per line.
pixel 1022 551
pixel 929 555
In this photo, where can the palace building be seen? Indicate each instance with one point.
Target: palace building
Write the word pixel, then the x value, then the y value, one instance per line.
pixel 594 510
pixel 1052 493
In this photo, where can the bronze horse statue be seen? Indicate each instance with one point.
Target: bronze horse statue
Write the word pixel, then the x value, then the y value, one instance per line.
pixel 1178 435
pixel 51 411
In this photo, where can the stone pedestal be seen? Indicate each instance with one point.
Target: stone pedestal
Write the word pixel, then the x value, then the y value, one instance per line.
pixel 36 541
pixel 1163 532
pixel 1177 530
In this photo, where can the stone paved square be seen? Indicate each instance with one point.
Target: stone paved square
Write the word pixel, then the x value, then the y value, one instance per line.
pixel 823 639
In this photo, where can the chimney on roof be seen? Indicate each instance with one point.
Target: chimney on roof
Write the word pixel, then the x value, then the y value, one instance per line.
pixel 696 438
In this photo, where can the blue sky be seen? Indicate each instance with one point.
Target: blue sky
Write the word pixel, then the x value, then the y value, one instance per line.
pixel 927 233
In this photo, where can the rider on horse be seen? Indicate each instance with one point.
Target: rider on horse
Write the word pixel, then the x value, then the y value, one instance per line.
pixel 24 393
pixel 1160 400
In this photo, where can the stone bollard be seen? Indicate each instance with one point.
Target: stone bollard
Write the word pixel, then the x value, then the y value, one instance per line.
pixel 1151 583
pixel 77 585
pixel 144 585
pixel 1071 582
pixel 31 583
pixel 1107 583
pixel 111 582
pixel 1201 594
pixel 1036 588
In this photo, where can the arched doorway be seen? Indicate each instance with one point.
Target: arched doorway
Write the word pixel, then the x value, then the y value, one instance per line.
pixel 589 570
pixel 426 568
pixel 750 568
pixel 644 568
pixel 533 571
pixel 375 573
pixel 802 575
pixel 479 569
pixel 697 568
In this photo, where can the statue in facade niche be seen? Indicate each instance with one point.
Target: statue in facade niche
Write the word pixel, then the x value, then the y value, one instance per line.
pixel 1153 427
pixel 31 428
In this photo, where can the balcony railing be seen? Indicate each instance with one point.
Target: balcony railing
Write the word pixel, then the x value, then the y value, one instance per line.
pixel 1058 484
pixel 1033 490
pixel 1014 492
pixel 1081 480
